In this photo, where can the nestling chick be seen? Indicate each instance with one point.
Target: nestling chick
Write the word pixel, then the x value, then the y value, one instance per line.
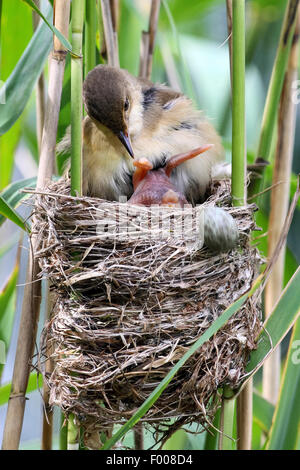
pixel 154 187
pixel 129 116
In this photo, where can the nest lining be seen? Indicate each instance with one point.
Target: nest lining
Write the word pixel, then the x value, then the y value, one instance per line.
pixel 127 310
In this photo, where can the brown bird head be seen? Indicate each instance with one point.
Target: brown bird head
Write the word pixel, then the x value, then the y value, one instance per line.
pixel 107 100
pixel 153 186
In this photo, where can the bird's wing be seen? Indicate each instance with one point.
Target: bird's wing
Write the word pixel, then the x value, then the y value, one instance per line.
pixel 157 94
pixel 157 100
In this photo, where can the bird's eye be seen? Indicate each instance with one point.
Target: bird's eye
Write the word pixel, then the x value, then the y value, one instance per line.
pixel 126 104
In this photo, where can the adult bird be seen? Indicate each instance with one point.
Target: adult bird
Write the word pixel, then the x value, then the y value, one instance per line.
pixel 132 117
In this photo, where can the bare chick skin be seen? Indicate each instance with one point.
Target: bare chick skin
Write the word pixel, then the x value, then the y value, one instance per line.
pixel 130 117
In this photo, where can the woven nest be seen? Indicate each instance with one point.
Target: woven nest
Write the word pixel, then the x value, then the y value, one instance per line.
pixel 127 309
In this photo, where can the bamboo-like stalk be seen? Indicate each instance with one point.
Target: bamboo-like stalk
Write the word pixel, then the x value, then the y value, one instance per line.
pixel 40 109
pixel 109 34
pixel 275 89
pixel 238 103
pixel 63 433
pixel 78 8
pixel 148 41
pixel 47 430
pixel 226 420
pixel 32 292
pixel 90 36
pixel 40 90
pixel 115 14
pixel 138 431
pixel 279 207
pixel 236 21
pixel 144 47
pixel 57 68
pixel 245 416
pixel 76 97
pixel 212 433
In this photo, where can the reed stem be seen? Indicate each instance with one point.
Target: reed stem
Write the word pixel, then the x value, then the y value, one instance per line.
pixel 32 291
pixel 90 36
pixel 40 90
pixel 275 89
pixel 238 103
pixel 245 417
pixel 115 14
pixel 48 367
pixel 63 434
pixel 279 207
pixel 78 8
pixel 148 41
pixel 138 432
pixel 76 97
pixel 227 420
pixel 236 20
pixel 109 34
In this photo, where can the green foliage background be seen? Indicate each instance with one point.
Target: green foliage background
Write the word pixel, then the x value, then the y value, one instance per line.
pixel 192 40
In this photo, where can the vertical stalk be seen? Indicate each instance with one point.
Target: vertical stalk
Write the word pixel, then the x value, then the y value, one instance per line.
pixel 226 421
pixel 109 34
pixel 148 40
pixel 115 14
pixel 245 416
pixel 238 103
pixel 47 428
pixel 57 68
pixel 138 432
pixel 279 207
pixel 275 89
pixel 76 97
pixel 63 434
pixel 212 434
pixel 90 36
pixel 236 15
pixel 48 410
pixel 32 292
pixel 76 141
pixel 40 91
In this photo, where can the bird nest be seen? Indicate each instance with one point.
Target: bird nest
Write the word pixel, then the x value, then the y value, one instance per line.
pixel 128 307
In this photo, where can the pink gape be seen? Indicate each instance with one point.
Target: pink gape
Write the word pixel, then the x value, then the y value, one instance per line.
pixel 154 186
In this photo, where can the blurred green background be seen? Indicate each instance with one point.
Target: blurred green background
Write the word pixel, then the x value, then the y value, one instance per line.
pixel 191 53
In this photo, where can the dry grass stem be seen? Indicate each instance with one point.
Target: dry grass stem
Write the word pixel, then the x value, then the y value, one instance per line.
pixel 115 14
pixel 109 34
pixel 279 208
pixel 32 292
pixel 245 416
pixel 40 90
pixel 148 40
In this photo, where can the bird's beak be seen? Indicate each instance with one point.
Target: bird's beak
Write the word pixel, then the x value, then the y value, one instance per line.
pixel 124 138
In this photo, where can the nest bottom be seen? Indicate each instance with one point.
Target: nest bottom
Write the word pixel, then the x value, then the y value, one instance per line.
pixel 127 311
